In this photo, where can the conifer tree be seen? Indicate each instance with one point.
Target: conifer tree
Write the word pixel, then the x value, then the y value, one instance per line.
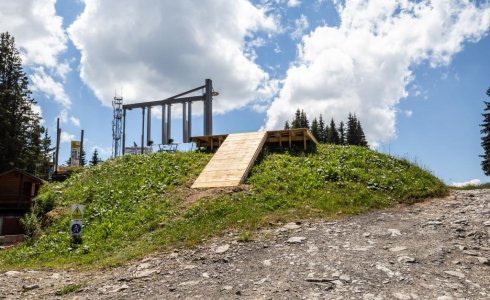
pixel 342 133
pixel 314 129
pixel 485 140
pixel 95 158
pixel 296 123
pixel 361 138
pixel 286 125
pixel 20 132
pixel 351 130
pixel 46 153
pixel 322 131
pixel 304 123
pixel 333 135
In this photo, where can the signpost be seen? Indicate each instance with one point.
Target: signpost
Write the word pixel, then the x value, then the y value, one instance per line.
pixel 76 224
pixel 75 153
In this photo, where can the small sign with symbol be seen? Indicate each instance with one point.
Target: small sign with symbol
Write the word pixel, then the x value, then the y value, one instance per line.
pixel 76 211
pixel 76 228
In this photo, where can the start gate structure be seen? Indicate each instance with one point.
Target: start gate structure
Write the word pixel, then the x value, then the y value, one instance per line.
pixel 166 106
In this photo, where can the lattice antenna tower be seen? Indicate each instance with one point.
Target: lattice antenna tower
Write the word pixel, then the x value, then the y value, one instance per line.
pixel 117 106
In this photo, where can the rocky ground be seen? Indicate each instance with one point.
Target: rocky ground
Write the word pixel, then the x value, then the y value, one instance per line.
pixel 438 249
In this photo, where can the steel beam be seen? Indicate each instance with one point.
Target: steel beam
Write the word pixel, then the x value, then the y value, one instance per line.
pixel 124 132
pixel 208 116
pixel 184 122
pixel 189 121
pixel 164 125
pixel 169 123
pixel 142 130
pixel 81 150
pixel 148 127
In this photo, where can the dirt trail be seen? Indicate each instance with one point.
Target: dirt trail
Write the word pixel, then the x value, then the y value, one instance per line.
pixel 438 249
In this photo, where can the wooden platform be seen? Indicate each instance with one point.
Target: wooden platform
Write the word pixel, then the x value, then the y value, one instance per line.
pixel 230 165
pixel 281 138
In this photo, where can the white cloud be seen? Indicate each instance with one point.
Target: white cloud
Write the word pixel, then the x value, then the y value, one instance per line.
pixel 408 113
pixel 65 118
pixel 66 137
pixel 294 3
pixel 41 39
pixel 75 121
pixel 473 182
pixel 300 26
pixel 46 84
pixel 37 30
pixel 364 65
pixel 165 47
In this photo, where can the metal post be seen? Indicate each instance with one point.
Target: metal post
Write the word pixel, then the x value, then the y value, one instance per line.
pixel 58 136
pixel 124 132
pixel 148 127
pixel 143 130
pixel 184 122
pixel 208 115
pixel 164 125
pixel 169 122
pixel 81 150
pixel 189 120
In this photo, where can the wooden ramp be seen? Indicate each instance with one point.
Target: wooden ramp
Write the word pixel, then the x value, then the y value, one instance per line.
pixel 230 165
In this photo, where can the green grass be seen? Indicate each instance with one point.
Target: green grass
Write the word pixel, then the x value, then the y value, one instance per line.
pixel 472 187
pixel 136 205
pixel 68 289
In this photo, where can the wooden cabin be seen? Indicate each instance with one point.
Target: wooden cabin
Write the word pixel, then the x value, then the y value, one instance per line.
pixel 17 190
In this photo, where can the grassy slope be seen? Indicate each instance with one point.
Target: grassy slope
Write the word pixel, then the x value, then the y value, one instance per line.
pixel 126 199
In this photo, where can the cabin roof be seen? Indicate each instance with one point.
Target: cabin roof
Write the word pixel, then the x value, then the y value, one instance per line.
pixel 17 170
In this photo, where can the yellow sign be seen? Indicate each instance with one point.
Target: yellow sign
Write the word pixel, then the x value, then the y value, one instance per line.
pixel 76 211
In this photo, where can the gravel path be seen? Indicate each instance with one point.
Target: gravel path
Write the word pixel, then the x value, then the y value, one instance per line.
pixel 438 249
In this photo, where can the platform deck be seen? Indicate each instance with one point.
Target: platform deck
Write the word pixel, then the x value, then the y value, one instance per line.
pixel 282 138
pixel 230 165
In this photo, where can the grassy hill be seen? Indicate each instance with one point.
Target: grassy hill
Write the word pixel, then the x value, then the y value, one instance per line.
pixel 139 204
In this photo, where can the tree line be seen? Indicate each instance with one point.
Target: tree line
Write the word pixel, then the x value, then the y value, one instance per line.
pixel 24 143
pixel 343 134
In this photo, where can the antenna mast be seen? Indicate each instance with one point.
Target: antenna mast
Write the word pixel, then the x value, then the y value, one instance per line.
pixel 117 104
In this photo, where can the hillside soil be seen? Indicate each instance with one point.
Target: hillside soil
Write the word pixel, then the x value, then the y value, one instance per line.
pixel 437 249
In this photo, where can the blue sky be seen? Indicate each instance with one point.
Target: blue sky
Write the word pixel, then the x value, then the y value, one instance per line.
pixel 415 73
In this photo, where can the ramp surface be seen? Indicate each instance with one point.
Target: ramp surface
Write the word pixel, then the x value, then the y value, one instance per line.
pixel 230 165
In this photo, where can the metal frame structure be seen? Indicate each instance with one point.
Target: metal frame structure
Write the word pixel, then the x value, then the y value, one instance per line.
pixel 117 105
pixel 166 105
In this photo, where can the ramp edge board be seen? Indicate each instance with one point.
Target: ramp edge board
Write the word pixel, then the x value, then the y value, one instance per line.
pixel 230 165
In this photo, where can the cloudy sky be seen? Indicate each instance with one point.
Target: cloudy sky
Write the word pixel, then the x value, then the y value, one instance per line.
pixel 414 72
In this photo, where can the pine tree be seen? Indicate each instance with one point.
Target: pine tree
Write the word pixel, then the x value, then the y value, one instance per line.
pixel 485 140
pixel 304 123
pixel 361 138
pixel 351 130
pixel 322 131
pixel 314 129
pixel 296 123
pixel 46 154
pixel 286 125
pixel 20 132
pixel 333 135
pixel 95 158
pixel 342 133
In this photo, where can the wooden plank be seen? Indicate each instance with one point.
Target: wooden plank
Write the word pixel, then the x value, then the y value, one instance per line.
pixel 231 163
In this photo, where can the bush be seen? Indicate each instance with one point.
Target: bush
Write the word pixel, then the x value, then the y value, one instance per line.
pixel 30 223
pixel 44 203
